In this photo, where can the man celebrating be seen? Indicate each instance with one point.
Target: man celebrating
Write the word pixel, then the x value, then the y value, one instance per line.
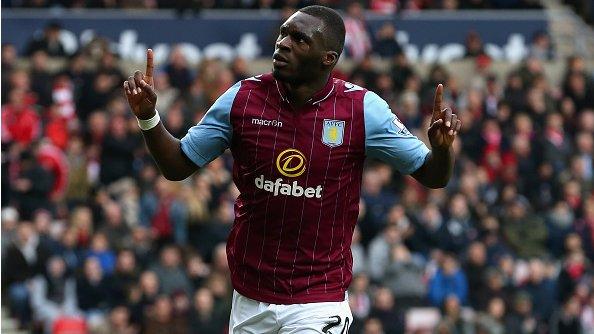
pixel 299 139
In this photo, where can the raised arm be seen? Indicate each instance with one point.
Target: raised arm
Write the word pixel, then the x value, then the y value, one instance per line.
pixel 165 149
pixel 439 164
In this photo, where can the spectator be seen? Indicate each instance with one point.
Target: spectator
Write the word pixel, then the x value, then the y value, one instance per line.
pixel 585 153
pixel 475 269
pixel 541 46
pixel 386 45
pixel 474 44
pixel 364 73
pixel 93 291
pixel 27 258
pixel 81 220
pixel 220 286
pixel 170 273
pixel 181 306
pixel 584 227
pixel 359 257
pixel 177 69
pixel 572 273
pixel 33 186
pixel 453 321
pixel 567 319
pixel 559 224
pixel 357 41
pixel 373 326
pixel 20 122
pixel 41 79
pixel 167 93
pixel 457 231
pixel 579 90
pixel 380 251
pixel 556 146
pixel 143 296
pixel 404 276
pixel 56 127
pixel 53 294
pixel 96 95
pixel 8 59
pixel 526 233
pixel 79 185
pixel 401 71
pixel 115 228
pixel 384 6
pixel 495 288
pixel 108 66
pixel 53 159
pixel 160 318
pixel 587 316
pixel 79 75
pixel 117 155
pixel 359 299
pixel 541 289
pixel 204 318
pixel 10 222
pixel 124 278
pixel 448 280
pixel 521 319
pixel 142 246
pixel 165 213
pixel 426 234
pixel 492 322
pixel 239 67
pixel 383 309
pixel 197 270
pixel 49 42
pixel 119 322
pixel 101 250
pixel 175 120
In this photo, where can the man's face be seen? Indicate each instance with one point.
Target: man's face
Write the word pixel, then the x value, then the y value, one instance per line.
pixel 299 49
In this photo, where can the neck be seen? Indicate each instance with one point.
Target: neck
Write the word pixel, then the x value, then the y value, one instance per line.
pixel 299 94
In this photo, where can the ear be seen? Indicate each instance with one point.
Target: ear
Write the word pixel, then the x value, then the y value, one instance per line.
pixel 330 58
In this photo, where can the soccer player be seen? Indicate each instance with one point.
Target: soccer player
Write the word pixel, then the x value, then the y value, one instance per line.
pixel 299 139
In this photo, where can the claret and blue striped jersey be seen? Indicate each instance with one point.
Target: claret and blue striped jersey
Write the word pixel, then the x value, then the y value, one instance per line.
pixel 299 176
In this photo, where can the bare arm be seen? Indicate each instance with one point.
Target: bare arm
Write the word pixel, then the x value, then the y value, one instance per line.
pixel 165 149
pixel 439 165
pixel 437 169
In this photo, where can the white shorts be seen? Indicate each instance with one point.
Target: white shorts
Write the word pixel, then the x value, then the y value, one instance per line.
pixel 254 317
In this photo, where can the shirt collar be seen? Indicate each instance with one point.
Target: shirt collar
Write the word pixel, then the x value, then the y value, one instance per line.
pixel 318 97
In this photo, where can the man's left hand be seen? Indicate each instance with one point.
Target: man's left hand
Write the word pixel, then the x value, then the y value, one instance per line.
pixel 444 123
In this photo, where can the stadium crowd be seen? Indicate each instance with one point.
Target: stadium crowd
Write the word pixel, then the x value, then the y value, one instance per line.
pixel 379 6
pixel 94 236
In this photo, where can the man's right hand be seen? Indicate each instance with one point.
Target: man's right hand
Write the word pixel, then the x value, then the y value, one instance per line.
pixel 140 90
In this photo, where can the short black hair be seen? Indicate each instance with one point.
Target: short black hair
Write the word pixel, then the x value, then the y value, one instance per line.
pixel 334 30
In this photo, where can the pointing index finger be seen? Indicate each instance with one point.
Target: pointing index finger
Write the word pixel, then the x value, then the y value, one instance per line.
pixel 437 102
pixel 149 66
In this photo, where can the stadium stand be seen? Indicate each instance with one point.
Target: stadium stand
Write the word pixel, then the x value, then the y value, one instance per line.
pixel 95 239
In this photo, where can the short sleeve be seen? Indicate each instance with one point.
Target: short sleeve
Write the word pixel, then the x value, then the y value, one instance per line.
pixel 387 139
pixel 208 139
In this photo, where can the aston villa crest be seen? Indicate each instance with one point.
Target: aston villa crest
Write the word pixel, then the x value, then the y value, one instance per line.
pixel 333 132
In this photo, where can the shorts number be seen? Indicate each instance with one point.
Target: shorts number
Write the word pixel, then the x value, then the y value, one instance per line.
pixel 336 321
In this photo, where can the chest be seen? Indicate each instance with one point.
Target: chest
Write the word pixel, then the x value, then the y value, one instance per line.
pixel 270 137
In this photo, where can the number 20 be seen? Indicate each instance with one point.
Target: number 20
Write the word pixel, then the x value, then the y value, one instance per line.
pixel 335 323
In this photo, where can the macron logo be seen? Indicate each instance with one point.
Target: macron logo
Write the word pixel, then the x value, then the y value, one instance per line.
pixel 290 189
pixel 267 122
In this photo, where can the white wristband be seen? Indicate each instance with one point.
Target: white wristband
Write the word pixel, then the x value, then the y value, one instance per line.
pixel 147 124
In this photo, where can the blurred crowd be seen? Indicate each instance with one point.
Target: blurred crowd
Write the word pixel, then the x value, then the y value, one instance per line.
pixel 379 6
pixel 93 237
